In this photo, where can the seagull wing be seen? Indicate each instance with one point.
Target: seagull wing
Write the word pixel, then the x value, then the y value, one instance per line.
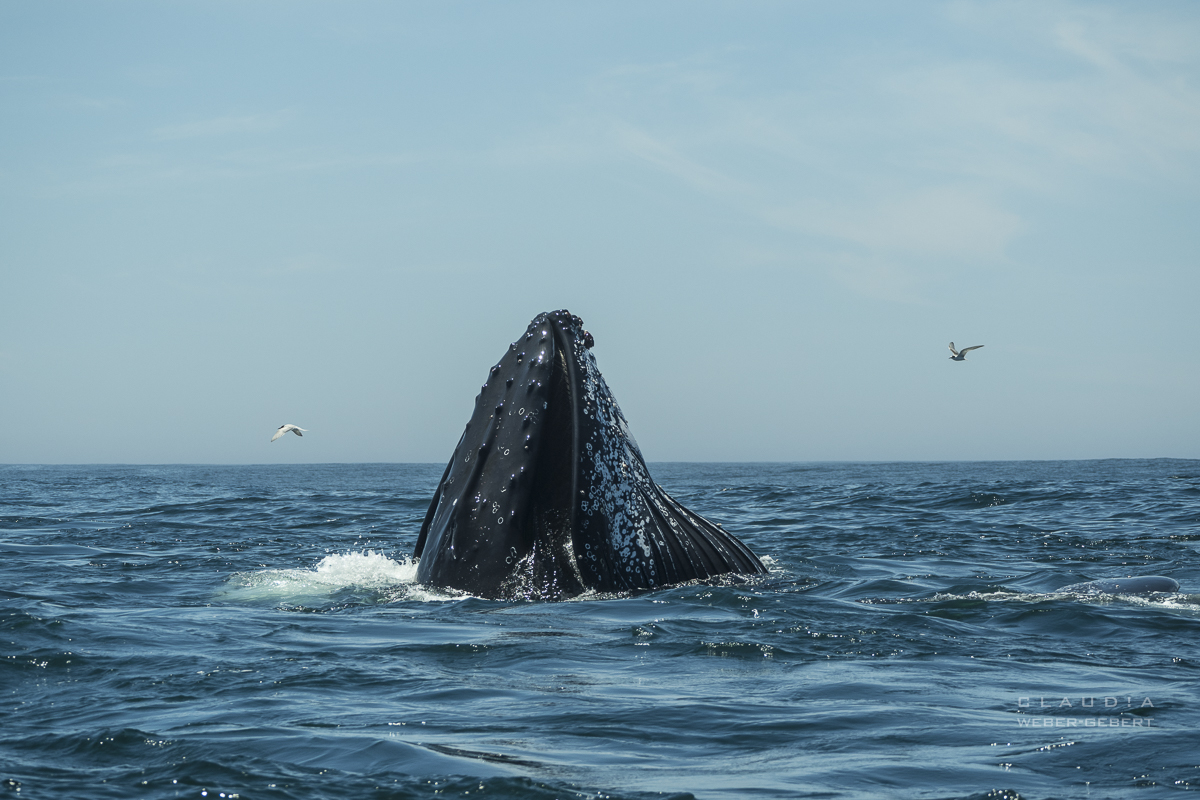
pixel 972 347
pixel 952 350
pixel 285 428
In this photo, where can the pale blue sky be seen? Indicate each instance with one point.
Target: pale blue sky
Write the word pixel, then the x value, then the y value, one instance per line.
pixel 219 217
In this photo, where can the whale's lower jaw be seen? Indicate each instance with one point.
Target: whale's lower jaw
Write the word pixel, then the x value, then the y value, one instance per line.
pixel 547 495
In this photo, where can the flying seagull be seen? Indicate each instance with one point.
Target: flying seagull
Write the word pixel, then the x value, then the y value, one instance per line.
pixel 961 355
pixel 285 428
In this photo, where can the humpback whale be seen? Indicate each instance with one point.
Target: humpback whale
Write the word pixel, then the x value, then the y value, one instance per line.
pixel 547 495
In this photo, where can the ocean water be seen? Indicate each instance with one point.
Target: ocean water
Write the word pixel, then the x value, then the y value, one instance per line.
pixel 256 632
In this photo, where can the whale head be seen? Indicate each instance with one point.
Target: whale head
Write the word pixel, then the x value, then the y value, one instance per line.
pixel 547 495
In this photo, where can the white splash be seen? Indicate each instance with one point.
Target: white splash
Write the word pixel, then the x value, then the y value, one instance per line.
pixel 371 571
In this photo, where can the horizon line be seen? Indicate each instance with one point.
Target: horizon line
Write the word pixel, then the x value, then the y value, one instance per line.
pixel 442 463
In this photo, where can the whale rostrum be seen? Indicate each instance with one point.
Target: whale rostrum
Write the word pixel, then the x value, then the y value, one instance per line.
pixel 547 495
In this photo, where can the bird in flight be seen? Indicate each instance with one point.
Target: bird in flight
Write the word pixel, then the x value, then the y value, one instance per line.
pixel 285 428
pixel 961 355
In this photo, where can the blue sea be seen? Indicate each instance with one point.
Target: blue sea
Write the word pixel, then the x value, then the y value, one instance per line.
pixel 256 632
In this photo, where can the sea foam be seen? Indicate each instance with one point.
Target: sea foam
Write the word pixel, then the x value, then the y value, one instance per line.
pixel 357 572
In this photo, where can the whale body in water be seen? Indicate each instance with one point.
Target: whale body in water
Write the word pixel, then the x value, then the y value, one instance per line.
pixel 547 495
pixel 1146 584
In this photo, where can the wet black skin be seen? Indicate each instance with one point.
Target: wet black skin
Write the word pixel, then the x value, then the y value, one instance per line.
pixel 547 495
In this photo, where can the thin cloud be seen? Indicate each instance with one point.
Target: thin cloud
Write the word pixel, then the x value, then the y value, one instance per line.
pixel 942 221
pixel 657 152
pixel 1115 92
pixel 220 126
pixel 874 277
